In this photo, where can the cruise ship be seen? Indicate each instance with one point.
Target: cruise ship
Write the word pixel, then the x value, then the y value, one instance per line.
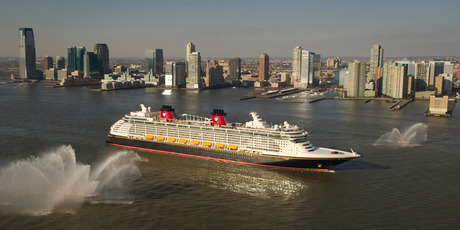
pixel 254 143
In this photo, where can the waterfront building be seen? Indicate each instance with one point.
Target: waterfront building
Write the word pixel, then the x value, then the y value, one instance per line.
pixel 102 52
pixel 356 79
pixel 394 81
pixel 264 67
pixel 447 83
pixel 214 74
pixel 306 67
pixel 27 59
pixel 341 78
pixel 409 64
pixel 91 67
pixel 422 73
pixel 189 50
pixel 234 68
pixel 378 80
pixel 436 68
pixel 175 74
pixel 194 71
pixel 60 62
pixel 225 67
pixel 376 60
pixel 80 58
pixel 285 78
pixel 72 58
pixel 438 83
pixel 62 73
pixel 154 61
pixel 47 63
pixel 51 74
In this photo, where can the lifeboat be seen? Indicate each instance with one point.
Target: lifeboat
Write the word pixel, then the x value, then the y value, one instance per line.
pixel 219 145
pixel 172 139
pixel 195 142
pixel 233 147
pixel 149 136
pixel 183 141
pixel 207 144
pixel 160 138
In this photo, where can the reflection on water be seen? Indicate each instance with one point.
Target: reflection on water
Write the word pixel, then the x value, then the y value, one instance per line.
pixel 248 180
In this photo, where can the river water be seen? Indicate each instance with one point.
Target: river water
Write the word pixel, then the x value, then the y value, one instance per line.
pixel 393 186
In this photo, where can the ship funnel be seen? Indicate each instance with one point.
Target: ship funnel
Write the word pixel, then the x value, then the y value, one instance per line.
pixel 166 113
pixel 217 117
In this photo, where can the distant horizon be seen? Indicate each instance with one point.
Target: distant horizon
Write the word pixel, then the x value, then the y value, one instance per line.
pixel 242 29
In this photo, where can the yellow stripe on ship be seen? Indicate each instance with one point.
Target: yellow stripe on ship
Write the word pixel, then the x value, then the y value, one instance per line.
pixel 233 147
pixel 160 138
pixel 149 136
pixel 183 141
pixel 219 145
pixel 172 139
pixel 195 142
pixel 207 144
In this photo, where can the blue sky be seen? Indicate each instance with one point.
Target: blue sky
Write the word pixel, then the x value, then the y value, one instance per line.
pixel 235 28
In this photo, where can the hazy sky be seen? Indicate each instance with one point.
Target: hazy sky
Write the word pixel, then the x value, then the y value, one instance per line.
pixel 234 28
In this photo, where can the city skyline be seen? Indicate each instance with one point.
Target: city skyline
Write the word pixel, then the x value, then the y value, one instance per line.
pixel 241 29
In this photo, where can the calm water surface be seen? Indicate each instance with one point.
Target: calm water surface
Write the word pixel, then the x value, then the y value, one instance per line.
pixel 390 187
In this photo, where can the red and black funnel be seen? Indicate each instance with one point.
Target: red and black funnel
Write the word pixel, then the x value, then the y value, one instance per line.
pixel 166 113
pixel 218 117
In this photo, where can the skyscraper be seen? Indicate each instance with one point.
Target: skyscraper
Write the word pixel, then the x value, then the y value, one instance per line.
pixel 305 68
pixel 264 73
pixel 27 59
pixel 234 69
pixel 214 74
pixel 72 58
pixel 194 71
pixel 356 79
pixel 60 62
pixel 154 61
pixel 47 63
pixel 102 52
pixel 175 74
pixel 80 58
pixel 394 81
pixel 376 60
pixel 190 50
pixel 91 65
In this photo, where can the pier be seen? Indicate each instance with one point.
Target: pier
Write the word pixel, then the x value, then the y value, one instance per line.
pixel 271 93
pixel 400 104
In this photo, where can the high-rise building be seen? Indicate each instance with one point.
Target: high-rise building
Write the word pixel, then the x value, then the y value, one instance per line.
pixel 47 63
pixel 394 81
pixel 341 78
pixel 102 52
pixel 436 68
pixel 214 74
pixel 189 50
pixel 306 67
pixel 91 65
pixel 376 60
pixel 175 74
pixel 80 58
pixel 60 62
pixel 158 56
pixel 234 67
pixel 154 61
pixel 72 58
pixel 422 74
pixel 27 59
pixel 356 79
pixel 264 71
pixel 194 71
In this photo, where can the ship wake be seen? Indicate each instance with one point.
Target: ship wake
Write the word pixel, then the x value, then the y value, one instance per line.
pixel 56 182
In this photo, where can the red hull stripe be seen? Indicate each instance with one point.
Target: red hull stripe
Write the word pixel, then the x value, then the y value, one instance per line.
pixel 221 160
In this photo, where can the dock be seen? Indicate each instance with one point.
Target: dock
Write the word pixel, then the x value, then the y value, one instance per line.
pixel 271 93
pixel 400 104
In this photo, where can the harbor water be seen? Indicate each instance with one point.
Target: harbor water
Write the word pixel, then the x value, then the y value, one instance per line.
pixel 396 184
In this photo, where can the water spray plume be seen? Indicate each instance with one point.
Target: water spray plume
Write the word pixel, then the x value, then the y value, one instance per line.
pixel 413 136
pixel 55 181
